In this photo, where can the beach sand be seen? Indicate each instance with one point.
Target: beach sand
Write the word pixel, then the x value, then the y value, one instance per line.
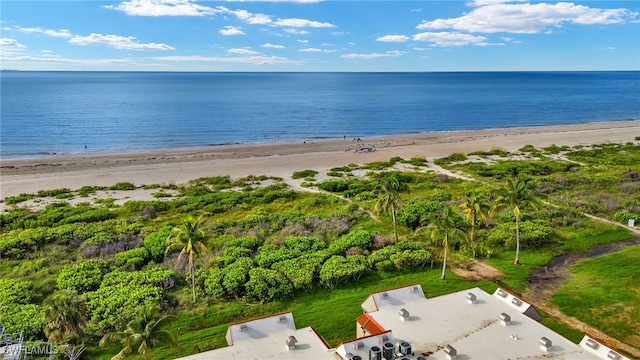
pixel 281 159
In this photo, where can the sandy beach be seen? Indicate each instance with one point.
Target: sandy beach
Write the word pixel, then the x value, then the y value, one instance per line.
pixel 281 159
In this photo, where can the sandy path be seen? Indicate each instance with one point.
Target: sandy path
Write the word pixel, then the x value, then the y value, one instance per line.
pixel 282 159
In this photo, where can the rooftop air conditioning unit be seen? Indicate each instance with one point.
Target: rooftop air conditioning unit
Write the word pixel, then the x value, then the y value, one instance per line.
pixel 356 357
pixel 471 298
pixel 388 351
pixel 291 342
pixel 505 319
pixel 348 356
pixel 244 328
pixel 613 355
pixel 404 348
pixel 358 345
pixel 421 358
pixel 592 344
pixel 450 351
pixel 375 353
pixel 414 289
pixel 384 295
pixel 404 314
pixel 282 319
pixel 383 338
pixel 545 344
pixel 502 293
pixel 516 302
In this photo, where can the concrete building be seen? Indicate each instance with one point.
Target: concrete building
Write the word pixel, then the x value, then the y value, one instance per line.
pixel 402 324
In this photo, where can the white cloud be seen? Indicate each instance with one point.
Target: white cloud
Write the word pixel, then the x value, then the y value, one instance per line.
pixel 243 51
pixel 118 42
pixel 296 31
pixel 11 44
pixel 393 38
pixel 61 33
pixel 303 41
pixel 231 30
pixel 249 18
pixel 302 23
pixel 272 46
pixel 393 53
pixel 162 8
pixel 316 50
pixel 450 38
pixel 492 16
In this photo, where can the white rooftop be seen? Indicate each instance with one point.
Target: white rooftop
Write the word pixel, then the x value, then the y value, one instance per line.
pixel 269 338
pixel 469 324
pixel 473 327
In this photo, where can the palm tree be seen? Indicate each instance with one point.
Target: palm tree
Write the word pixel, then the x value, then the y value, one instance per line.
pixel 390 200
pixel 190 239
pixel 64 312
pixel 474 207
pixel 517 194
pixel 444 228
pixel 142 333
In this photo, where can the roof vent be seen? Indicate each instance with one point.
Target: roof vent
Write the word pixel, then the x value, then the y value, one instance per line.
pixel 384 295
pixel 505 319
pixel 291 342
pixel 451 352
pixel 244 328
pixel 282 319
pixel 545 344
pixel 348 356
pixel 592 344
pixel 516 302
pixel 404 314
pixel 471 298
pixel 613 355
pixel 421 358
pixel 383 338
pixel 375 353
pixel 502 293
pixel 356 357
pixel 414 289
pixel 358 345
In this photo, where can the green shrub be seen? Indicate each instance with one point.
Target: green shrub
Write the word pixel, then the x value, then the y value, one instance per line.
pixel 53 193
pixel 624 217
pixel 533 234
pixel 303 174
pixel 361 239
pixel 455 157
pixel 333 186
pixel 156 243
pixel 22 318
pixel 267 285
pixel 82 277
pixel 11 200
pixel 124 186
pixel 338 270
pixel 89 190
pixel 135 258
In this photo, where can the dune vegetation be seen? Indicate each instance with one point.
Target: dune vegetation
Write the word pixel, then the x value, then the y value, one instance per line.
pixel 219 250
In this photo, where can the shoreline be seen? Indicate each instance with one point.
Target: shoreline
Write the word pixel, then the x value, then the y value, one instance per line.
pixel 282 158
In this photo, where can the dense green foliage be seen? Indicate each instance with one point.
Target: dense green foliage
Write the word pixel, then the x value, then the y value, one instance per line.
pixel 279 249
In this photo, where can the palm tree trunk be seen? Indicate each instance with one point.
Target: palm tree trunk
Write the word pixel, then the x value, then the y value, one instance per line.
pixel 473 234
pixel 395 225
pixel 193 280
pixel 444 261
pixel 517 260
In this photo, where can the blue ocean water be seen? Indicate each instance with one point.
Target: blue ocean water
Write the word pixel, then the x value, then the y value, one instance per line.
pixel 62 112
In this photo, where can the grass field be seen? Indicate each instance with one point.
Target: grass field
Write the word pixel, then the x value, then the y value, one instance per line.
pixel 605 293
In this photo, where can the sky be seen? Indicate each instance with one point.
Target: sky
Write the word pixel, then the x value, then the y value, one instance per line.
pixel 314 35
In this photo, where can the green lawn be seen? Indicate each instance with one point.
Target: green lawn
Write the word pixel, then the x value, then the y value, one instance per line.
pixel 604 292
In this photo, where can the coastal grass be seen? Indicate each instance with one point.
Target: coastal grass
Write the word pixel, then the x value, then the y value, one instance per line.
pixel 603 292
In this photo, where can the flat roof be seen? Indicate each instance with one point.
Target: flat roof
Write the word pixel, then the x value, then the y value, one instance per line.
pixel 473 328
pixel 267 338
